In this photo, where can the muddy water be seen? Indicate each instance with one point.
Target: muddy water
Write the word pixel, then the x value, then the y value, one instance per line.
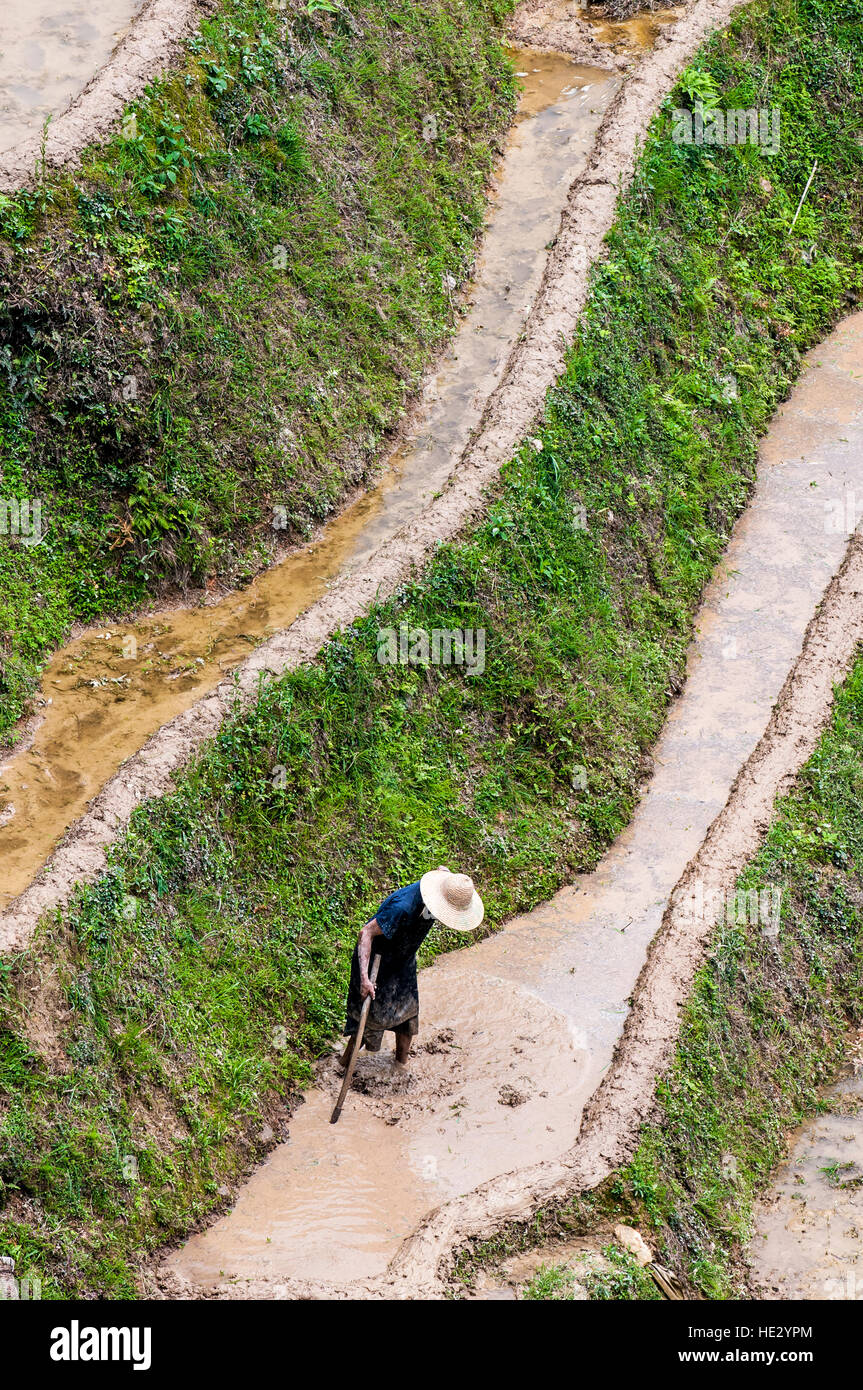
pixel 49 50
pixel 808 1241
pixel 520 1029
pixel 638 32
pixel 106 693
pixel 483 1094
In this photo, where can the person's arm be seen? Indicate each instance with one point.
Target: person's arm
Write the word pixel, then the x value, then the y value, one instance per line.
pixel 364 951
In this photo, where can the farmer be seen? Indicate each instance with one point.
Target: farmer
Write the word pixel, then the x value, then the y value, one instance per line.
pixel 396 932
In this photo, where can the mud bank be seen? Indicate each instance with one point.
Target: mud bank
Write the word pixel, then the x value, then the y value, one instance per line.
pixel 534 364
pixel 205 969
pixel 104 695
pixel 758 694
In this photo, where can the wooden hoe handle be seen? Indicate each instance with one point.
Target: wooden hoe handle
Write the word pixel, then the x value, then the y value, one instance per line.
pixel 358 1039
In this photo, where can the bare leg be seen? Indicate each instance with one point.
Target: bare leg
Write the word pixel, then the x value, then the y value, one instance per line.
pixel 344 1061
pixel 403 1048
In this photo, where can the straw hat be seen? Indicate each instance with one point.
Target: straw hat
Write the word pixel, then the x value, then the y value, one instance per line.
pixel 452 899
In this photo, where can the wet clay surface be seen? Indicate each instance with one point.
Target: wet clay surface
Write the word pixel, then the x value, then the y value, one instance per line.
pixel 104 694
pixel 637 33
pixel 808 1241
pixel 540 1007
pixel 335 1201
pixel 49 50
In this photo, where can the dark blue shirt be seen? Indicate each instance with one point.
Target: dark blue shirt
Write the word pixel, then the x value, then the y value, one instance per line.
pixel 400 918
pixel 404 928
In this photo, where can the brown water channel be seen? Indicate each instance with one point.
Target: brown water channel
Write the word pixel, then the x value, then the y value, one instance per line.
pixel 517 1031
pixel 107 692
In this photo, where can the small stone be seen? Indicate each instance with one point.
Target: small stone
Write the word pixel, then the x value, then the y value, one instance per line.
pixel 634 1242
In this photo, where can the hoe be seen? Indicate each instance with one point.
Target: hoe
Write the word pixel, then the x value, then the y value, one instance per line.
pixel 358 1042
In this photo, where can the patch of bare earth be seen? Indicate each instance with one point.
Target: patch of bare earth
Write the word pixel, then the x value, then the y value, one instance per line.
pixel 559 26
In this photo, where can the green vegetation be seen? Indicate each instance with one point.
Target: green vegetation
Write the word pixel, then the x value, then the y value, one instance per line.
pixel 209 329
pixel 551 1282
pixel 180 1000
pixel 619 1276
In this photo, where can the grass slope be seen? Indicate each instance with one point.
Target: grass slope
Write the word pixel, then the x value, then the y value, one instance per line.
pixel 179 1002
